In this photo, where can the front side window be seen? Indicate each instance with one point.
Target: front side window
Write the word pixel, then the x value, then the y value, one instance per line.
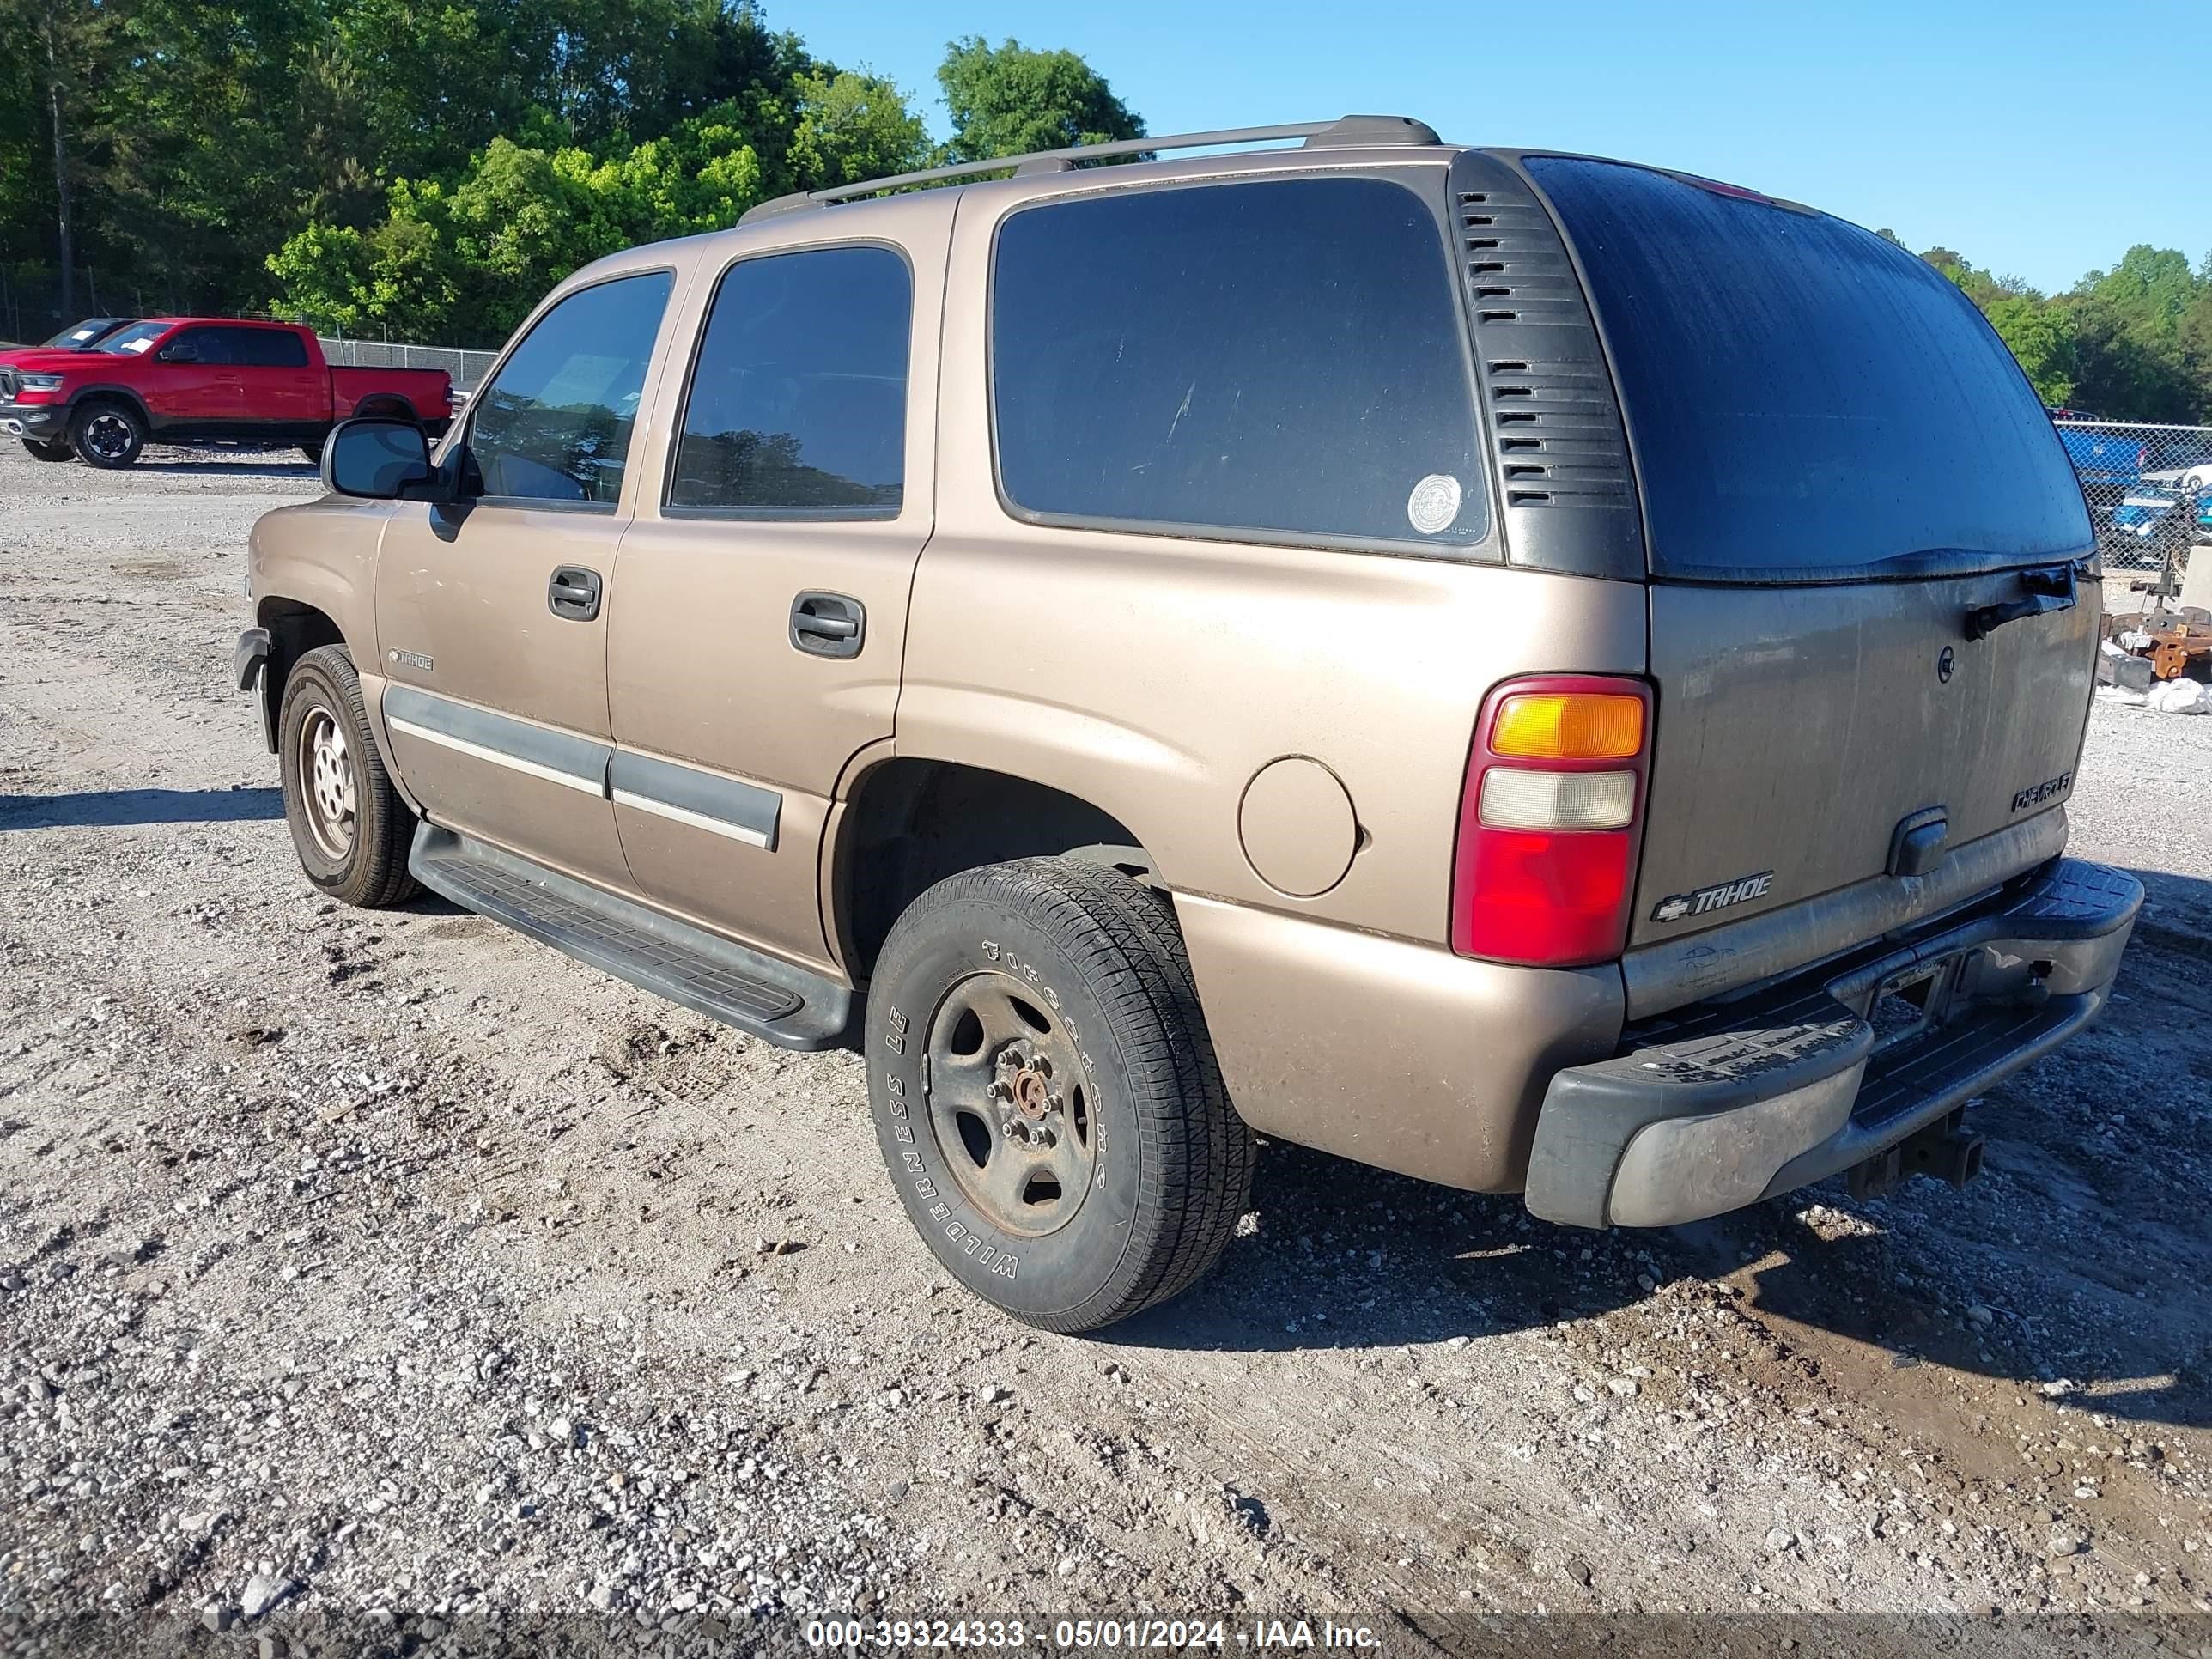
pixel 199 345
pixel 797 405
pixel 1282 359
pixel 555 423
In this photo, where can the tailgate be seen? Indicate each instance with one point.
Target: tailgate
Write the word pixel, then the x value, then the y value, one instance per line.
pixel 1870 635
pixel 1799 728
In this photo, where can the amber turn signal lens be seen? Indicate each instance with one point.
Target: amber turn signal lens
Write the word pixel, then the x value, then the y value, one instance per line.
pixel 1569 726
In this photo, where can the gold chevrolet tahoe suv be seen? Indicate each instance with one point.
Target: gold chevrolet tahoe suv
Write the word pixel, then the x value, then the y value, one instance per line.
pixel 1551 676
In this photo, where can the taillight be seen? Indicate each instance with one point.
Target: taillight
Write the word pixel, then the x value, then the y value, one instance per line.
pixel 1550 819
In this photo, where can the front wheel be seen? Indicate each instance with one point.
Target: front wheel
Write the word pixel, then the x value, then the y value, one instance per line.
pixel 1046 1094
pixel 107 435
pixel 347 823
pixel 49 449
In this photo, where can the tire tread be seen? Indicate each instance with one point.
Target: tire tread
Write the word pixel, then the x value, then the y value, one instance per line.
pixel 380 878
pixel 1195 1154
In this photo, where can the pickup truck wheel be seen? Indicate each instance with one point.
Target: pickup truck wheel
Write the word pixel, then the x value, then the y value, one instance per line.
pixel 349 824
pixel 42 449
pixel 1046 1094
pixel 107 435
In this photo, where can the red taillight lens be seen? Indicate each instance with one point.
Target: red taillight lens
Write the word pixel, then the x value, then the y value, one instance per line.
pixel 1533 882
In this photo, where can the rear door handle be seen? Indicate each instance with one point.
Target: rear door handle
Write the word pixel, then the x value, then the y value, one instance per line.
pixel 828 624
pixel 573 593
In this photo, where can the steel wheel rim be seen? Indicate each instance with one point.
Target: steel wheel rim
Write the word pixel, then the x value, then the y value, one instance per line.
pixel 327 797
pixel 1010 1106
pixel 107 436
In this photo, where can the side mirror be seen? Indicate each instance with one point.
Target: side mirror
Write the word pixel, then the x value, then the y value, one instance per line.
pixel 378 458
pixel 182 352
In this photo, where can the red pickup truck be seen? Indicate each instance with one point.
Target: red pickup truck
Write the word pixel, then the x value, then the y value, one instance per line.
pixel 201 380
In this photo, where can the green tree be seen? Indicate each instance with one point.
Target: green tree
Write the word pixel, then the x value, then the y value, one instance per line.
pixel 2041 335
pixel 851 127
pixel 55 52
pixel 1007 99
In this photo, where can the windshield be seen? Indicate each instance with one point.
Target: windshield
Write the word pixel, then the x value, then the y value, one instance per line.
pixel 135 339
pixel 1808 402
pixel 77 338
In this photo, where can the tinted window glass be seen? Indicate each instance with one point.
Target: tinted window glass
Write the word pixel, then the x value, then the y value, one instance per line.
pixel 199 345
pixel 264 348
pixel 1283 357
pixel 555 423
pixel 798 401
pixel 1806 397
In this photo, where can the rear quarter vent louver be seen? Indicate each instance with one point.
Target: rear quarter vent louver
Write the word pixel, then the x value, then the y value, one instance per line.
pixel 1558 443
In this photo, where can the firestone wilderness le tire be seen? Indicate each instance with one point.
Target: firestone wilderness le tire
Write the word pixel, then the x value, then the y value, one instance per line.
pixel 44 449
pixel 107 434
pixel 1046 1094
pixel 348 826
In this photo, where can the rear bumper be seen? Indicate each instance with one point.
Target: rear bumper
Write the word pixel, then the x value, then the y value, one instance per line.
pixel 1727 1101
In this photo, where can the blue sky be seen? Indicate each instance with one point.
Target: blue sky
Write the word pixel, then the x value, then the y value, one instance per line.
pixel 2038 137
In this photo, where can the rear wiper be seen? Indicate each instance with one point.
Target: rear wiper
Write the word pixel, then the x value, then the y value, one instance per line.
pixel 2045 589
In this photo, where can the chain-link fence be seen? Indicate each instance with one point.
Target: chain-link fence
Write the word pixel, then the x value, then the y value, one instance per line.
pixel 467 367
pixel 2149 488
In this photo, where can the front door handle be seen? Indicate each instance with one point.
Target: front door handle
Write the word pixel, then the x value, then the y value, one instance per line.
pixel 828 624
pixel 573 593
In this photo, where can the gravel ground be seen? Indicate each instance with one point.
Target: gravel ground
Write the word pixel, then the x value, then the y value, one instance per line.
pixel 387 1278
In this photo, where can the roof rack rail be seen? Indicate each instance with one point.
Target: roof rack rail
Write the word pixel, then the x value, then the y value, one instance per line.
pixel 1348 131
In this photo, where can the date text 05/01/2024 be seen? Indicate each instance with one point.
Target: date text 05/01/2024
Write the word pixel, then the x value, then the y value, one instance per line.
pixel 1162 1635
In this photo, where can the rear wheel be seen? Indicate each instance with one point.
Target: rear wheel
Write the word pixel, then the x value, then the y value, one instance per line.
pixel 107 435
pixel 348 826
pixel 43 449
pixel 1046 1094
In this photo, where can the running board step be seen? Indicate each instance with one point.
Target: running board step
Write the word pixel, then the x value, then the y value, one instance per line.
pixel 708 974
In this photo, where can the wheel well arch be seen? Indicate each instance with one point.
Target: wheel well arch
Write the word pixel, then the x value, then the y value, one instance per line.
pixel 111 394
pixel 909 822
pixel 295 629
pixel 385 403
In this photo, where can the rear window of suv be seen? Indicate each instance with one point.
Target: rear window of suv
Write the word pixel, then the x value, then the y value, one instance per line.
pixel 1807 400
pixel 1281 360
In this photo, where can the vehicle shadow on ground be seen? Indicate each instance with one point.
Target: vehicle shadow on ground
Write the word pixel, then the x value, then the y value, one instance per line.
pixel 2052 1254
pixel 112 808
pixel 235 469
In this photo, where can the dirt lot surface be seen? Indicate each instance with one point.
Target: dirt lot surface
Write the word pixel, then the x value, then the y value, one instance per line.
pixel 390 1276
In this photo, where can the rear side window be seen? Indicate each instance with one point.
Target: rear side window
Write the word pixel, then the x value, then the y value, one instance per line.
pixel 555 422
pixel 264 348
pixel 1282 359
pixel 798 402
pixel 1806 401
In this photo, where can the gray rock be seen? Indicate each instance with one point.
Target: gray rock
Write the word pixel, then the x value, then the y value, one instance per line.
pixel 1779 1538
pixel 263 1591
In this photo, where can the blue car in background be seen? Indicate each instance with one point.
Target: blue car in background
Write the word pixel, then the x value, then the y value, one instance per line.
pixel 2145 514
pixel 2108 465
